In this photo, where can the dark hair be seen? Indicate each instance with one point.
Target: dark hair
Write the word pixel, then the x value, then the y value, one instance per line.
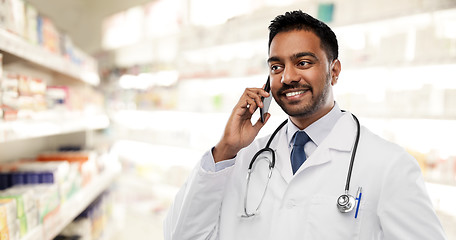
pixel 298 20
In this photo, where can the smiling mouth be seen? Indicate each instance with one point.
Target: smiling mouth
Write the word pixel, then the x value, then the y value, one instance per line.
pixel 291 94
pixel 295 93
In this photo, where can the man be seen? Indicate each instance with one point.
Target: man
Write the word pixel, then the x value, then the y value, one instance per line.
pixel 300 199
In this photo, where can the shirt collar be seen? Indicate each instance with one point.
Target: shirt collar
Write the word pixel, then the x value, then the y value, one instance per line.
pixel 318 130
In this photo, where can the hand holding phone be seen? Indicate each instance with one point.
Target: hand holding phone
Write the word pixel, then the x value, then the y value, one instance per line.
pixel 266 101
pixel 239 130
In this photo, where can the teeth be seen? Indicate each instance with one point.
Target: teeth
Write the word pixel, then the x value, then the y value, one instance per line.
pixel 291 94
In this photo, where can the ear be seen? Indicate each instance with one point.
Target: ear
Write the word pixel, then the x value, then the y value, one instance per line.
pixel 335 71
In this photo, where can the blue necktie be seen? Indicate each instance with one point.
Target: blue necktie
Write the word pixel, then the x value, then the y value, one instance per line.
pixel 298 156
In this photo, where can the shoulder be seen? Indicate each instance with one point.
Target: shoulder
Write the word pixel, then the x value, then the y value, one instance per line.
pixel 382 151
pixel 377 143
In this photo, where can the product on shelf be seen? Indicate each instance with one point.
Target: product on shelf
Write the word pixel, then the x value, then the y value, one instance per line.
pixel 7 219
pixel 46 197
pixel 10 95
pixel 27 97
pixel 6 17
pixel 30 28
pixel 26 216
pixel 62 174
pixel 48 36
pixel 57 97
pixel 69 170
pixel 84 161
pixel 65 176
pixel 22 96
pixel 12 16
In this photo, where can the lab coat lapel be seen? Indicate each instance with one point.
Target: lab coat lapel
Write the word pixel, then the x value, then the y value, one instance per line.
pixel 341 138
pixel 280 147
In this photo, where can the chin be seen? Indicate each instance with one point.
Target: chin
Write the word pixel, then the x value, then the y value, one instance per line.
pixel 305 111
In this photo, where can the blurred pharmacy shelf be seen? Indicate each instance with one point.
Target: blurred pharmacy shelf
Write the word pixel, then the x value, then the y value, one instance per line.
pixel 19 47
pixel 63 124
pixel 70 209
pixel 48 103
pixel 76 204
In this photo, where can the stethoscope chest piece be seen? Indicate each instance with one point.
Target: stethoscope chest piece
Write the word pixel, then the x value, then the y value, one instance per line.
pixel 345 203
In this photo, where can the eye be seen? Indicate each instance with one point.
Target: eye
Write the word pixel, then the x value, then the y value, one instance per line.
pixel 303 63
pixel 275 68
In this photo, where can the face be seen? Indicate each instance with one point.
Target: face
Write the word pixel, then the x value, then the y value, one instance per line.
pixel 301 75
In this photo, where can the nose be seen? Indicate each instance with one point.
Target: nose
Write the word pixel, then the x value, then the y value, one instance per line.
pixel 290 75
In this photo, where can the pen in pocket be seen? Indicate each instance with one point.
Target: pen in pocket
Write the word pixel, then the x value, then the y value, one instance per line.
pixel 358 200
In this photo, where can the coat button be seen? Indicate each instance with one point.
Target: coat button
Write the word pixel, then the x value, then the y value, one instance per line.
pixel 290 204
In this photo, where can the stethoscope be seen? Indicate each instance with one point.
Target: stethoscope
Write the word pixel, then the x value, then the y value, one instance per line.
pixel 345 203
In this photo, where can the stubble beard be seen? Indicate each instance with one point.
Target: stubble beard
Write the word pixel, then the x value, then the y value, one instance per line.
pixel 309 108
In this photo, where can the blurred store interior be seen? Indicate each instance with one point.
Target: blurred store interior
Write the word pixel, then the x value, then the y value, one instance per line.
pixel 118 100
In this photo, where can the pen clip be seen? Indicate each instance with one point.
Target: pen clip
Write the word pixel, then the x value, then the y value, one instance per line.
pixel 358 200
pixel 360 190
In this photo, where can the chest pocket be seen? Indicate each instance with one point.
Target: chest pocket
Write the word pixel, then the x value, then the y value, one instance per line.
pixel 325 221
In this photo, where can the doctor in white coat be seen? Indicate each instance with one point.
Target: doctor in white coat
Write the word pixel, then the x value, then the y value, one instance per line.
pixel 391 201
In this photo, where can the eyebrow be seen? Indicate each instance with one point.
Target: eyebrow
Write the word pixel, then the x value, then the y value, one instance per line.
pixel 273 59
pixel 294 56
pixel 304 54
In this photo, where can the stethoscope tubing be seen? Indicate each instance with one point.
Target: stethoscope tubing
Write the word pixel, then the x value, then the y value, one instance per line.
pixel 352 160
pixel 267 147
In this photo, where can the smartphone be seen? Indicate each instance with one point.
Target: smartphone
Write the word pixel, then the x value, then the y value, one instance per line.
pixel 266 101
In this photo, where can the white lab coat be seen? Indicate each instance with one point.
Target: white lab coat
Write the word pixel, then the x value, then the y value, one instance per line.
pixel 394 204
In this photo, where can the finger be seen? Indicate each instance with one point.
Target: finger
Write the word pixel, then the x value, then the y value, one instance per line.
pixel 263 93
pixel 245 101
pixel 253 106
pixel 258 91
pixel 256 98
pixel 249 105
pixel 251 99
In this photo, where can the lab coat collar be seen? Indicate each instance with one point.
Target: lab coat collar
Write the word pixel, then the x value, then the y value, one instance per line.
pixel 343 135
pixel 341 138
pixel 318 130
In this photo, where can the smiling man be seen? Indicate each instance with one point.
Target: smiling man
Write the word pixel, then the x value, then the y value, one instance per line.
pixel 295 56
pixel 296 176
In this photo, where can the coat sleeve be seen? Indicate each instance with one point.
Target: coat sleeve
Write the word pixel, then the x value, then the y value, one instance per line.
pixel 195 211
pixel 405 209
